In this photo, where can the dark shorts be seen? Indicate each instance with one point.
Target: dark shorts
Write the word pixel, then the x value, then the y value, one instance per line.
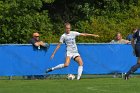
pixel 137 50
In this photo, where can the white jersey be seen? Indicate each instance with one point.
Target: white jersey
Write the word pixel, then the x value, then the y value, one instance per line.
pixel 69 40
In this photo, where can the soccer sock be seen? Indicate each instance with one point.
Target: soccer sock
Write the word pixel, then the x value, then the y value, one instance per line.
pixel 80 70
pixel 58 66
pixel 133 69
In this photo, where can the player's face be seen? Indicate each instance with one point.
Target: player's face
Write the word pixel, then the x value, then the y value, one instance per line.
pixel 68 28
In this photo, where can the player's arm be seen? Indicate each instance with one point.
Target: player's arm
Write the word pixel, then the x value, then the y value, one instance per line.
pixel 86 34
pixel 57 47
pixel 133 45
pixel 133 41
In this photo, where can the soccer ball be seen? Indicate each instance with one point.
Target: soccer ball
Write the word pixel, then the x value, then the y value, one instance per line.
pixel 70 77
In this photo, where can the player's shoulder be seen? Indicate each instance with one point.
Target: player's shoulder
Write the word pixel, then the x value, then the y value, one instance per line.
pixel 73 31
pixel 64 34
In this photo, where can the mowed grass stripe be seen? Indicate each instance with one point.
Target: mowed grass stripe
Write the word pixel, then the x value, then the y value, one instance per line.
pixel 96 85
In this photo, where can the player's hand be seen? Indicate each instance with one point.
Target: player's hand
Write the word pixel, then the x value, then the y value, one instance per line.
pixel 52 56
pixel 96 36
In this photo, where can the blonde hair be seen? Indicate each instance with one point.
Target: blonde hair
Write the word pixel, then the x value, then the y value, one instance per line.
pixel 67 24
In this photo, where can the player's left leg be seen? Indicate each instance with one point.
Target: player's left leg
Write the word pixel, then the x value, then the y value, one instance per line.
pixel 133 69
pixel 78 59
pixel 66 64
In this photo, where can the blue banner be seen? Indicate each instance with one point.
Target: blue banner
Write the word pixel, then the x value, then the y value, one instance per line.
pixel 17 60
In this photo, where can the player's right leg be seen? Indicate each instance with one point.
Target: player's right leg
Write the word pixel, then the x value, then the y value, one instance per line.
pixel 67 61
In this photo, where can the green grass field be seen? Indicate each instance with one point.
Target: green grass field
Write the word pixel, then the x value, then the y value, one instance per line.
pixel 95 85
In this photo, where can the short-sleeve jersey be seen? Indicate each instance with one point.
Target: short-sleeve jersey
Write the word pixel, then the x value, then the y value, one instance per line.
pixel 69 40
pixel 136 36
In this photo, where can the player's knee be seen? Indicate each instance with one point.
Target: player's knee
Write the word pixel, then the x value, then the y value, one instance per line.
pixel 80 63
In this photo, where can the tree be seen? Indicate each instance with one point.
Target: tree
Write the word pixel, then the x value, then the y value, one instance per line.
pixel 20 18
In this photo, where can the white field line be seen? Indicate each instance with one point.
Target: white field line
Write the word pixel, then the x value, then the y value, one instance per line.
pixel 101 90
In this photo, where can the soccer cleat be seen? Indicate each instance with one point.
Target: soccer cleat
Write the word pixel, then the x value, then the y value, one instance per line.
pixel 49 70
pixel 126 77
pixel 78 78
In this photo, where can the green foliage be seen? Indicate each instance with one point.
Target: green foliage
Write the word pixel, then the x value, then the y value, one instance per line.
pixel 93 84
pixel 20 18
pixel 48 1
pixel 103 17
pixel 106 28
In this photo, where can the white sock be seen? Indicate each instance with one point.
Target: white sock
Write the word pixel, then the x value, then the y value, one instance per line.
pixel 80 70
pixel 58 66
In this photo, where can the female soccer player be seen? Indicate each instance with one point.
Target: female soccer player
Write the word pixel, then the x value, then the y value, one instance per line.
pixel 71 51
pixel 136 50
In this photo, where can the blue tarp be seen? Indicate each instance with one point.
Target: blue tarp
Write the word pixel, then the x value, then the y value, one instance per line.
pixel 20 60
